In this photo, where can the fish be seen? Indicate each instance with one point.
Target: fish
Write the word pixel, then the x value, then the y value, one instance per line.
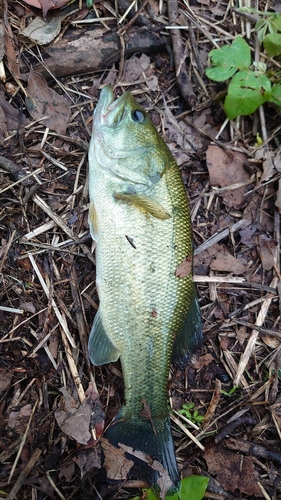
pixel 148 315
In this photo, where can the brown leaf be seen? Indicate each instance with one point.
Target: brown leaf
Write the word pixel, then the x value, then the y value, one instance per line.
pixel 204 360
pixel 268 250
pixel 226 169
pixel 87 459
pixel 46 5
pixel 224 261
pixel 234 471
pixel 115 462
pixel 185 267
pixel 164 481
pixel 278 197
pixel 14 118
pixel 74 418
pixel 43 101
pixel 5 379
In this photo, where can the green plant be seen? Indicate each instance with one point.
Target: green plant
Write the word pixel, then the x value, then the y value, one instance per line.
pixel 193 415
pixel 249 88
pixel 191 488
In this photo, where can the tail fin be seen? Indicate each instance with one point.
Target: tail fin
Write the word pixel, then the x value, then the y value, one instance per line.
pixel 152 439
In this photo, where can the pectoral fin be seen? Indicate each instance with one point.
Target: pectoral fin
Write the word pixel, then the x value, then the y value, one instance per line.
pixel 145 203
pixel 190 338
pixel 93 221
pixel 101 349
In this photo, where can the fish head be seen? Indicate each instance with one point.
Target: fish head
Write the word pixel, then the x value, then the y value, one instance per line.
pixel 125 141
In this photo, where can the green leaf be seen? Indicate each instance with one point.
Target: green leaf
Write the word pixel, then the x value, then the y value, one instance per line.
pixel 151 495
pixel 276 19
pixel 276 95
pixel 272 44
pixel 227 60
pixel 193 488
pixel 246 92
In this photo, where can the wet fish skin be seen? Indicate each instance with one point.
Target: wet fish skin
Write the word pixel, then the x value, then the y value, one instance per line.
pixel 148 316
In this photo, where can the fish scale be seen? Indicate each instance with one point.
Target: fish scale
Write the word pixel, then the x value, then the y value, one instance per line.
pixel 147 314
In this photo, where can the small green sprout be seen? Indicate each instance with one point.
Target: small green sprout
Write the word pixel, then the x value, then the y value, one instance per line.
pixel 192 415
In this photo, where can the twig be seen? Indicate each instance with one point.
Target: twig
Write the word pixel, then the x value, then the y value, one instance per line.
pixel 253 337
pixel 187 432
pixel 22 442
pixel 24 474
pixel 179 56
pixel 241 224
pixel 54 305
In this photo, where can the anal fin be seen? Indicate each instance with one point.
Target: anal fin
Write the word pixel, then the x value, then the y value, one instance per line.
pixel 101 349
pixel 190 338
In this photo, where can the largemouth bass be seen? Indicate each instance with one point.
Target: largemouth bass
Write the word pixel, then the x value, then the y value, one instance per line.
pixel 148 315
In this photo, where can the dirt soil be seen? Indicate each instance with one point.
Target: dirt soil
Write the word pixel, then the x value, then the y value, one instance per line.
pixel 53 403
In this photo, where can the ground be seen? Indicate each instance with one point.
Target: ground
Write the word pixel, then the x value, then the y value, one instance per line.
pixel 53 403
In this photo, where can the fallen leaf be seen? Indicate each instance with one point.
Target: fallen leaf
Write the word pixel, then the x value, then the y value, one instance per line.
pixel 204 360
pixel 10 51
pixel 3 126
pixel 225 170
pixel 268 167
pixel 46 5
pixel 19 419
pixel 134 67
pixel 164 481
pixel 247 234
pixel 67 471
pixel 74 418
pixel 111 76
pixel 224 261
pixel 43 101
pixel 278 196
pixel 115 462
pixel 14 118
pixel 271 341
pixel 88 459
pixel 42 31
pixel 268 251
pixel 5 379
pixel 185 267
pixel 234 472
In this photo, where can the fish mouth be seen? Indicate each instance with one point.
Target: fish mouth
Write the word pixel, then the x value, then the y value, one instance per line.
pixel 108 111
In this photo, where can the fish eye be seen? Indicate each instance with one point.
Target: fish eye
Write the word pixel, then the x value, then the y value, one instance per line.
pixel 138 115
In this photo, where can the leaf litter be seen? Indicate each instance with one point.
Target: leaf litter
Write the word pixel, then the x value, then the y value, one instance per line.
pixel 51 398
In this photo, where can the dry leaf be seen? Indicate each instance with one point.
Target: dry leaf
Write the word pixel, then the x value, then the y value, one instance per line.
pixel 134 67
pixel 3 126
pixel 14 118
pixel 74 418
pixel 5 379
pixel 185 268
pixel 164 481
pixel 19 419
pixel 41 31
pixel 87 459
pixel 43 101
pixel 278 197
pixel 202 361
pixel 115 462
pixel 268 251
pixel 234 472
pixel 271 341
pixel 46 5
pixel 226 169
pixel 224 261
pixel 268 167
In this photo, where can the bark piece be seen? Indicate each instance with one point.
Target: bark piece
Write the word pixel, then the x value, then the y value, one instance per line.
pixel 86 50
